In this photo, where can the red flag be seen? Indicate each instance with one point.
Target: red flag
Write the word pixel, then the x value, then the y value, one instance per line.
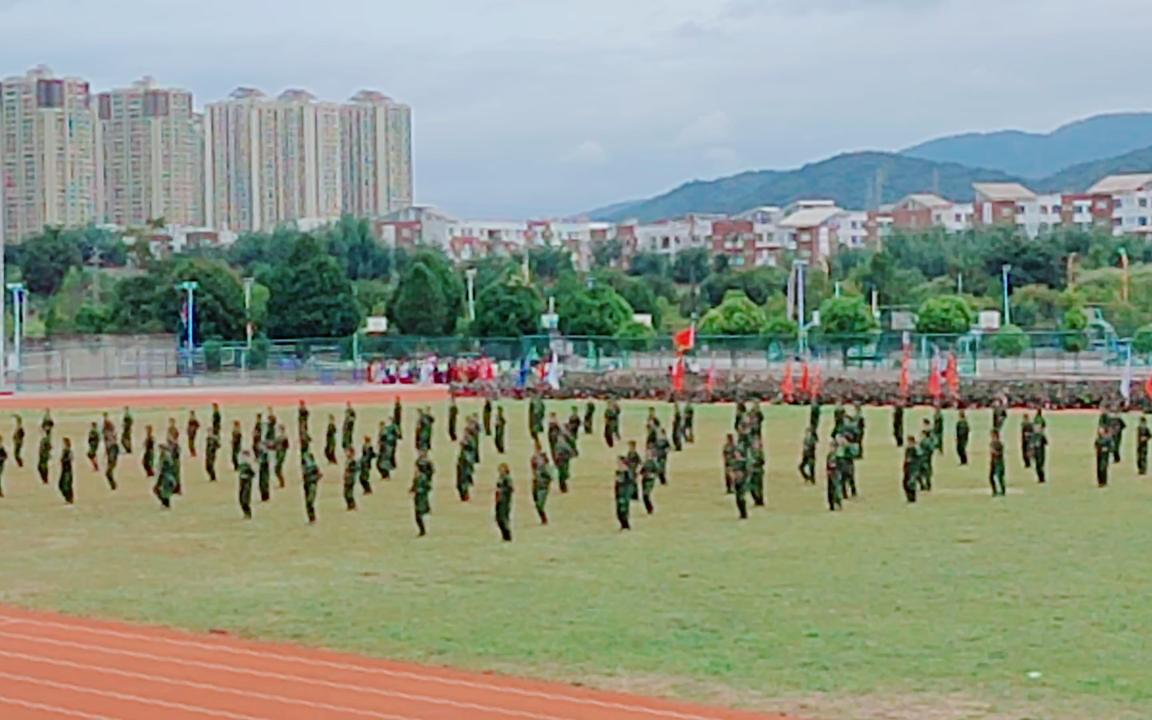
pixel 786 386
pixel 905 362
pixel 685 340
pixel 678 374
pixel 952 375
pixel 816 382
pixel 1148 387
pixel 934 388
pixel 805 381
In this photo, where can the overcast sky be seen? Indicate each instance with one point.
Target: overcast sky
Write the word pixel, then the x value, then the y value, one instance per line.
pixel 549 107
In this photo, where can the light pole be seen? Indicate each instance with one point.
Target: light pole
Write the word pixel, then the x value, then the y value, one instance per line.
pixel 1006 271
pixel 802 325
pixel 189 288
pixel 470 274
pixel 18 298
pixel 248 282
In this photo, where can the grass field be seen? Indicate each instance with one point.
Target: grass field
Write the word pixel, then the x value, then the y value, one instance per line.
pixel 1032 606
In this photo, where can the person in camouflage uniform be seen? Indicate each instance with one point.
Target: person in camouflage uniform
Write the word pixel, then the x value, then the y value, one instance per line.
pixel 846 459
pixel 44 456
pixel 424 423
pixel 465 468
pixel 453 416
pixel 541 482
pixel 562 455
pixel 612 423
pixel 755 463
pixel 211 450
pixel 330 441
pixel 1026 440
pixel 1039 451
pixel 996 465
pixel 927 447
pixel 217 424
pixel 280 447
pixel 740 480
pixel 814 410
pixel 302 431
pixel 689 423
pixel 677 428
pixel 911 469
pixel 898 423
pixel 365 465
pixel 859 431
pixel 1116 432
pixel 264 465
pixel 421 491
pixel 589 417
pixel 348 430
pixel 1143 435
pixel 573 428
pixel 504 492
pixel 192 431
pixel 553 434
pixel 832 471
pixel 649 474
pixel 18 442
pixel 623 495
pixel 1103 447
pixel 311 472
pixel 963 433
pixel 66 472
pixel 247 475
pixel 111 451
pixel 838 418
pixel 166 478
pixel 351 473
pixel 487 414
pixel 730 452
pixel 237 441
pixel 738 420
pixel 535 416
pixel 126 432
pixel 398 414
pixel 174 448
pixel 999 414
pixel 938 429
pixel 808 456
pixel 633 460
pixel 149 459
pixel 501 429
pixel 93 445
pixel 660 448
pixel 387 442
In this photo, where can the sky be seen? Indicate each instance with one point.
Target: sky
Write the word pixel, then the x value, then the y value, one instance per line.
pixel 547 108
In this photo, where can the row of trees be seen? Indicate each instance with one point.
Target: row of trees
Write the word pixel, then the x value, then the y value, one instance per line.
pixel 324 284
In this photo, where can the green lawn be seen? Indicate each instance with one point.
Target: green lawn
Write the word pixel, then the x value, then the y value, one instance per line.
pixel 952 603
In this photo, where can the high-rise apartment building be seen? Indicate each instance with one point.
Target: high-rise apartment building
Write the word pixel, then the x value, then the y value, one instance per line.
pixel 149 151
pixel 48 161
pixel 271 161
pixel 377 157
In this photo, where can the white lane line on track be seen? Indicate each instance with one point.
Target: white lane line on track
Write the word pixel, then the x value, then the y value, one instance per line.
pixel 343 687
pixel 125 697
pixel 63 712
pixel 86 667
pixel 349 667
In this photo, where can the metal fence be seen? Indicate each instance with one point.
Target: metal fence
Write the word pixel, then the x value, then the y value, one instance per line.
pixel 156 361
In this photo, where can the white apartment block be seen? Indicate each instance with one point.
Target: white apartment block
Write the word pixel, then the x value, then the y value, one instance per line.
pixel 150 151
pixel 48 161
pixel 376 166
pixel 1125 202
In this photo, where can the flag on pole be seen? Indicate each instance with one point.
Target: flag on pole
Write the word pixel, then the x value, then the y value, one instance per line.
pixel 1126 381
pixel 805 380
pixel 678 375
pixel 685 340
pixel 905 363
pixel 934 388
pixel 1148 387
pixel 952 376
pixel 786 385
pixel 554 372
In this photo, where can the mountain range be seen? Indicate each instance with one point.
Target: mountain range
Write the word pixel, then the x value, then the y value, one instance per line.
pixel 1070 158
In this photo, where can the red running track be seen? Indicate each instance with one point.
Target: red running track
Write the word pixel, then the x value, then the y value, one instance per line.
pixel 59 667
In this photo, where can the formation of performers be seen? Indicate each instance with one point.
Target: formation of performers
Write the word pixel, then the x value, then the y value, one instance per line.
pixel 636 477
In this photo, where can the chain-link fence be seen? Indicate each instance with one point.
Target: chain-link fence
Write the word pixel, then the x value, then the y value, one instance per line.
pixel 157 361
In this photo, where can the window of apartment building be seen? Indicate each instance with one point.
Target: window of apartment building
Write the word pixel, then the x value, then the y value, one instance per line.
pixel 1116 222
pixel 1142 221
pixel 1118 203
pixel 1143 202
pixel 1020 209
pixel 1057 209
pixel 1043 209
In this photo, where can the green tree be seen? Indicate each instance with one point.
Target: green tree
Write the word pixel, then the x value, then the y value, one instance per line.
pixel 46 258
pixel 351 243
pixel 635 337
pixel 846 316
pixel 311 296
pixel 780 326
pixel 608 253
pixel 690 266
pixel 1035 306
pixel 218 300
pixel 945 315
pixel 549 263
pixel 508 309
pixel 1142 340
pixel 736 315
pixel 418 307
pixel 451 283
pixel 599 310
pixel 1009 341
pixel 1074 327
pixel 647 263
